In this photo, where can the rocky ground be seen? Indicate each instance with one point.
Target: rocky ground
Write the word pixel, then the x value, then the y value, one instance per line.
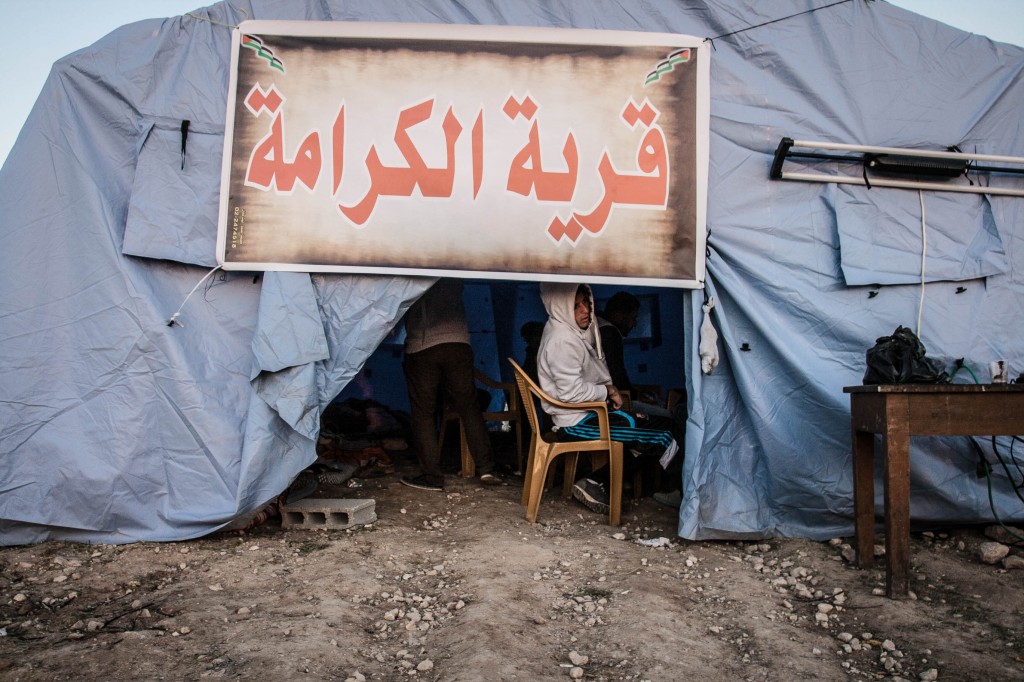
pixel 458 586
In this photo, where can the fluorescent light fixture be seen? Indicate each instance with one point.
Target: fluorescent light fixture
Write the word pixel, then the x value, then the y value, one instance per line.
pixel 885 166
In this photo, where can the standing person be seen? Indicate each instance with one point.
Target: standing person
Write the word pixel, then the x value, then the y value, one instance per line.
pixel 571 368
pixel 438 357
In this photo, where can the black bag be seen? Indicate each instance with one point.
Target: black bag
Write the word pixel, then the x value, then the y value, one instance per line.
pixel 899 359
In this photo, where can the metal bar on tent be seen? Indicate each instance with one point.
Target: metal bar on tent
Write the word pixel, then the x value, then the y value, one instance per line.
pixel 899 151
pixel 895 161
pixel 902 184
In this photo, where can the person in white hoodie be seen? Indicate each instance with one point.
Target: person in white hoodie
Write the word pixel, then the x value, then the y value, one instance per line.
pixel 571 367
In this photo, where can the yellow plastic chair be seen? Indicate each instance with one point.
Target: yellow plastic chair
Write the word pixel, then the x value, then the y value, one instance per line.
pixel 512 414
pixel 544 449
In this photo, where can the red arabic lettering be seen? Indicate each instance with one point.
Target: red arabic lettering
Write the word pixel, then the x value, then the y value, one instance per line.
pixel 269 166
pixel 399 181
pixel 526 175
pixel 259 99
pixel 625 189
pixel 338 148
pixel 478 153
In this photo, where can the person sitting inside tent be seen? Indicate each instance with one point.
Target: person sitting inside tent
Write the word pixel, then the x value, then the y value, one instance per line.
pixel 571 367
pixel 614 323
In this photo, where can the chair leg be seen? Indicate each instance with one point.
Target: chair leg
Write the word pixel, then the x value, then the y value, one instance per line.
pixel 519 447
pixel 615 487
pixel 524 498
pixel 537 476
pixel 528 471
pixel 571 460
pixel 468 465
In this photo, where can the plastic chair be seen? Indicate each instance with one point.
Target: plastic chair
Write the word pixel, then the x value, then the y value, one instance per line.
pixel 544 449
pixel 512 414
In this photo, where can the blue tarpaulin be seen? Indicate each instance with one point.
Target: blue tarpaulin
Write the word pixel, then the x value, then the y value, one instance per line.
pixel 115 427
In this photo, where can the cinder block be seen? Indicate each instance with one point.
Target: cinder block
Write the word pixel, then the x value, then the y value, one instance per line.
pixel 313 514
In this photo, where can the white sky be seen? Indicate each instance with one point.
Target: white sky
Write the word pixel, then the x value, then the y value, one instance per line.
pixel 36 33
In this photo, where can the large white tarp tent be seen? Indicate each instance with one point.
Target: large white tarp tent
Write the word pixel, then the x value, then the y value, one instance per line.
pixel 115 427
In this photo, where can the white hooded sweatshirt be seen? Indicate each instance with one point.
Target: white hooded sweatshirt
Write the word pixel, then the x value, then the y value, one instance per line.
pixel 570 364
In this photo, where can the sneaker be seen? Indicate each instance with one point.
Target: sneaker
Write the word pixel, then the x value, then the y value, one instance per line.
pixel 490 479
pixel 422 483
pixel 672 499
pixel 591 494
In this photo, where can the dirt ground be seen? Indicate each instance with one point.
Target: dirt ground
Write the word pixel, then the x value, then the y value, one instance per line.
pixel 458 586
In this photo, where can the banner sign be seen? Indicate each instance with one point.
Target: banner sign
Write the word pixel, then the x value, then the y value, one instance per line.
pixel 496 152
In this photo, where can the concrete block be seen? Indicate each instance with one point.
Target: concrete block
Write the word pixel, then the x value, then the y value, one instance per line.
pixel 314 514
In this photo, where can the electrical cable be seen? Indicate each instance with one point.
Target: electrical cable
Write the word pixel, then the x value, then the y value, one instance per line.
pixel 1016 487
pixel 960 364
pixel 924 251
pixel 174 318
pixel 986 467
pixel 1014 459
pixel 992 506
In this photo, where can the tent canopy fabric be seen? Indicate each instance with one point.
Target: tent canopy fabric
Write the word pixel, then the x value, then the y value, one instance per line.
pixel 115 427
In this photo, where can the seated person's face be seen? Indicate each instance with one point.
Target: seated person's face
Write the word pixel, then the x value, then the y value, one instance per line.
pixel 628 322
pixel 582 310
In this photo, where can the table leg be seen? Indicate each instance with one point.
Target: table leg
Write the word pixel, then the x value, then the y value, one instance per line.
pixel 896 444
pixel 864 496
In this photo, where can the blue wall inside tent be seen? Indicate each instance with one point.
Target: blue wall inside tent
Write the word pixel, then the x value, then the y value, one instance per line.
pixel 115 427
pixel 497 310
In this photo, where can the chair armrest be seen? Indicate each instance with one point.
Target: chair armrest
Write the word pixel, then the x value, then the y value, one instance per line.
pixel 508 387
pixel 598 406
pixel 491 383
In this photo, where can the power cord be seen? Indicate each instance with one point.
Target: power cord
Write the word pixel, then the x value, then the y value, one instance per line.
pixel 173 320
pixel 959 365
pixel 985 469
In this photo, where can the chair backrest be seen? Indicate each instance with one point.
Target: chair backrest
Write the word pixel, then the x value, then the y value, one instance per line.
pixel 528 386
pixel 527 390
pixel 511 411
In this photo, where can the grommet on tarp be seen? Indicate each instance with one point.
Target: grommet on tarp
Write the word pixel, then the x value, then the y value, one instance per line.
pixel 184 139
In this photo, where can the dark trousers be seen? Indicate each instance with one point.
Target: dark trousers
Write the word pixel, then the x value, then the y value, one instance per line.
pixel 445 367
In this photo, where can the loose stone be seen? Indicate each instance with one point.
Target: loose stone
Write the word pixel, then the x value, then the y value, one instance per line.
pixel 992 552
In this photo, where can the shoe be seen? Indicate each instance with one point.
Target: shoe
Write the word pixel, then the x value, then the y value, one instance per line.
pixel 421 482
pixel 490 479
pixel 672 499
pixel 304 485
pixel 591 494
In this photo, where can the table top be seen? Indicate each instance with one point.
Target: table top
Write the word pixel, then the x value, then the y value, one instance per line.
pixel 936 388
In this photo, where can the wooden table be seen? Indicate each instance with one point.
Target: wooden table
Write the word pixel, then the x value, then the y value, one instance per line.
pixel 898 412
